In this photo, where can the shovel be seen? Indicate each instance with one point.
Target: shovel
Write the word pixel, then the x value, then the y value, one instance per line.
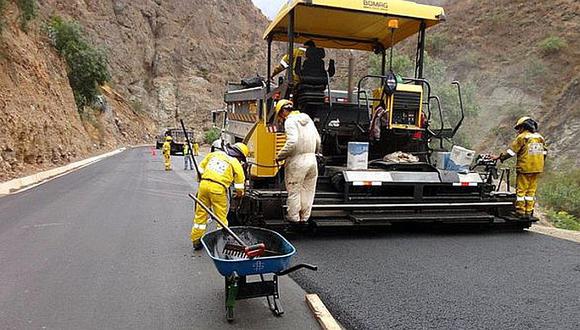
pixel 240 251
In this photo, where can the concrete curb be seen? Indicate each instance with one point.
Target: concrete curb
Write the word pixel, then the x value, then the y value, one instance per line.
pixel 569 235
pixel 27 182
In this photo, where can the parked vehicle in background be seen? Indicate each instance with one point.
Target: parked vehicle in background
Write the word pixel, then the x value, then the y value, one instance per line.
pixel 178 139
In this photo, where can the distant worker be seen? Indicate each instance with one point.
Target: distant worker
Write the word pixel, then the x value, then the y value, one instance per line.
pixel 219 169
pixel 285 62
pixel 195 149
pixel 299 153
pixel 187 157
pixel 530 149
pixel 167 152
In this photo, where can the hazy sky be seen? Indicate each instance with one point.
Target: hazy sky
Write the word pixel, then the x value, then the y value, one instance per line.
pixel 269 7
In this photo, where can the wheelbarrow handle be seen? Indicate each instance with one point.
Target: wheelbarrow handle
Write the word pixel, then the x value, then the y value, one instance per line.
pixel 295 268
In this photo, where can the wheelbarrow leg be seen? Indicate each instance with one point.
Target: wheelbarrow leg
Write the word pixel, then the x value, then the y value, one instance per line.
pixel 232 288
pixel 274 300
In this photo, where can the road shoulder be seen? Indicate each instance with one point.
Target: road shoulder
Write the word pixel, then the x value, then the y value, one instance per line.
pixel 569 235
pixel 30 181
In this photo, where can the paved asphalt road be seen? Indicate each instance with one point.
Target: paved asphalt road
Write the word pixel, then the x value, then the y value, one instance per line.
pixel 445 280
pixel 107 247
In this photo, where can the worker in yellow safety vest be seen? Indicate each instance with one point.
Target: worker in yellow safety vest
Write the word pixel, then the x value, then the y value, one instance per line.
pixel 530 149
pixel 187 157
pixel 167 153
pixel 195 149
pixel 218 171
pixel 285 61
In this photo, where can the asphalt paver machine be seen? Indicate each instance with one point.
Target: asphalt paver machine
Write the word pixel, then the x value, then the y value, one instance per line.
pixel 404 110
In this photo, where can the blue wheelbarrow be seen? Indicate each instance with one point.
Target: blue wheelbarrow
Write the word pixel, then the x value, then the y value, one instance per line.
pixel 275 261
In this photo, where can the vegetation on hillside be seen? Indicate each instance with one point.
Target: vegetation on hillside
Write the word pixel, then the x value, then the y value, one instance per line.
pixel 87 65
pixel 28 12
pixel 2 8
pixel 211 135
pixel 552 44
pixel 560 194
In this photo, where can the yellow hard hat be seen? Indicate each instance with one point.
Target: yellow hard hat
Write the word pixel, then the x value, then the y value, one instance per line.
pixel 243 148
pixel 168 138
pixel 521 121
pixel 281 104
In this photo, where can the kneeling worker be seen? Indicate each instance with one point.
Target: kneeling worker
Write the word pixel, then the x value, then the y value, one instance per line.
pixel 219 169
pixel 530 149
pixel 299 152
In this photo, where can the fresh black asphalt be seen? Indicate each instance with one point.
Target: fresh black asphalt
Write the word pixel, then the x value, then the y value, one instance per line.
pixel 445 280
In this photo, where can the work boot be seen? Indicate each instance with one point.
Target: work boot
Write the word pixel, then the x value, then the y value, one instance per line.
pixel 197 245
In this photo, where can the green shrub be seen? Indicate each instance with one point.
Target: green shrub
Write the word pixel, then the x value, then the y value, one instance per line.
pixel 498 20
pixel 552 44
pixel 533 70
pixel 27 12
pixel 211 135
pixel 87 65
pixel 137 106
pixel 564 220
pixel 402 65
pixel 436 42
pixel 2 8
pixel 561 192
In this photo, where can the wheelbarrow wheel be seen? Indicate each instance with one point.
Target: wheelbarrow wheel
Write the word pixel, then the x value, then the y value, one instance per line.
pixel 229 314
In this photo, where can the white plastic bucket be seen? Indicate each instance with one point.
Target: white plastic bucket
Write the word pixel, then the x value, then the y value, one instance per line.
pixel 358 156
pixel 462 156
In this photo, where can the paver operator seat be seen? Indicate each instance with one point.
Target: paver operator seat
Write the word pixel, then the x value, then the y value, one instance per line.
pixel 313 77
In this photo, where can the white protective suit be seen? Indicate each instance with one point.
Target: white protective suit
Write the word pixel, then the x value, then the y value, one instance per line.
pixel 301 170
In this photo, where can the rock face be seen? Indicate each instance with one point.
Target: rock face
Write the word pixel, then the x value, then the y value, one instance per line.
pixel 173 57
pixel 169 59
pixel 499 46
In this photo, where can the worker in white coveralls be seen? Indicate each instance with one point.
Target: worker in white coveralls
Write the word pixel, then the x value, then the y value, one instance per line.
pixel 299 154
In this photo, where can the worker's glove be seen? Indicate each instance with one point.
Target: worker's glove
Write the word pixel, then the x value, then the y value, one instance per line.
pixel 320 159
pixel 239 193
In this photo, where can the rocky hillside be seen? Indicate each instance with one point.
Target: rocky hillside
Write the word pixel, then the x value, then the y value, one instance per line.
pixel 172 57
pixel 524 59
pixel 168 59
pixel 40 126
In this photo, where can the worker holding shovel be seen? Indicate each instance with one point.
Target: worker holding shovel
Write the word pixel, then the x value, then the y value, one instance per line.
pixel 219 170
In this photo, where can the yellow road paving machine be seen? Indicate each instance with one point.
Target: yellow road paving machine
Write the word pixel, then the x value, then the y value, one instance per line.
pixel 395 117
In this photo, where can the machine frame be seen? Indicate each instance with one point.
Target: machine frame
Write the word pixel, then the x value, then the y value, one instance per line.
pixel 386 193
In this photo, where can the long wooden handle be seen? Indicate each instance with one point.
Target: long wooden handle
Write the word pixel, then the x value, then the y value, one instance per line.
pixel 217 219
pixel 190 149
